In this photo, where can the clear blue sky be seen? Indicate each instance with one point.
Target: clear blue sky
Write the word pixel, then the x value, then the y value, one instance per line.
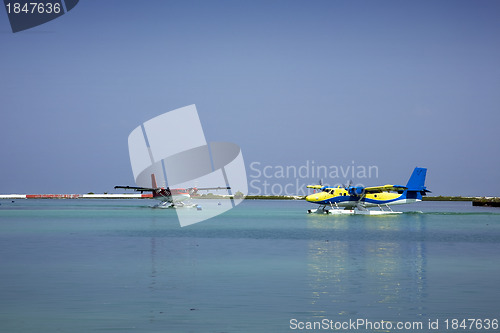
pixel 396 84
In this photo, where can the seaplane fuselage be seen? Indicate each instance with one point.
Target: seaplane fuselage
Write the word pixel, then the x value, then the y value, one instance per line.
pixel 340 197
pixel 171 194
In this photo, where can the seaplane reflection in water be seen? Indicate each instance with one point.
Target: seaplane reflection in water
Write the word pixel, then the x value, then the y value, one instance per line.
pixel 171 197
pixel 357 199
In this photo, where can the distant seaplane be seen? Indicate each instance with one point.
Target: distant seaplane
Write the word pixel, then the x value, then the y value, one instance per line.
pixel 171 197
pixel 356 199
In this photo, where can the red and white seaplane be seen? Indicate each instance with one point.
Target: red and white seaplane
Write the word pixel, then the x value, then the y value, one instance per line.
pixel 171 197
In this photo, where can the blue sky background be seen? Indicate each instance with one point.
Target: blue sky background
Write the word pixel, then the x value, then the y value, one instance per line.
pixel 396 84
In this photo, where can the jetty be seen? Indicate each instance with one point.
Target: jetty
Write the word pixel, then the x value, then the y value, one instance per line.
pixel 486 202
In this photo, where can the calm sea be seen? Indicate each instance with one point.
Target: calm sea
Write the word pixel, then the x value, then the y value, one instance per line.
pixel 265 266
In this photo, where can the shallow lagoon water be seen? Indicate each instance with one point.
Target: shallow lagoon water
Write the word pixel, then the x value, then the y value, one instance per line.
pixel 118 265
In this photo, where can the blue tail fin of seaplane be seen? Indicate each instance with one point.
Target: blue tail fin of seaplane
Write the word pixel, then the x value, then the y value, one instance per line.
pixel 416 184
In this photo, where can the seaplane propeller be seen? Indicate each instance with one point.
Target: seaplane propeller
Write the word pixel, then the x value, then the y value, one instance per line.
pixel 354 190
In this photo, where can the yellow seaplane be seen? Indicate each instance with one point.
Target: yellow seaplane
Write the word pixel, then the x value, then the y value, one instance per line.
pixel 357 199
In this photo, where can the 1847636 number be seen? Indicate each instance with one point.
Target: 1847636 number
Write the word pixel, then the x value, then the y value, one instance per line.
pixel 471 324
pixel 33 8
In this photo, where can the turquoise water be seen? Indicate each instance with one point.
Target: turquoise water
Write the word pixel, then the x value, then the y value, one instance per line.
pixel 265 266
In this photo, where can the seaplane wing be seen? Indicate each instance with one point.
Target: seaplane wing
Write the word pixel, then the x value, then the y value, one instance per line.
pixel 384 188
pixel 317 187
pixel 209 188
pixel 153 189
pixel 138 188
